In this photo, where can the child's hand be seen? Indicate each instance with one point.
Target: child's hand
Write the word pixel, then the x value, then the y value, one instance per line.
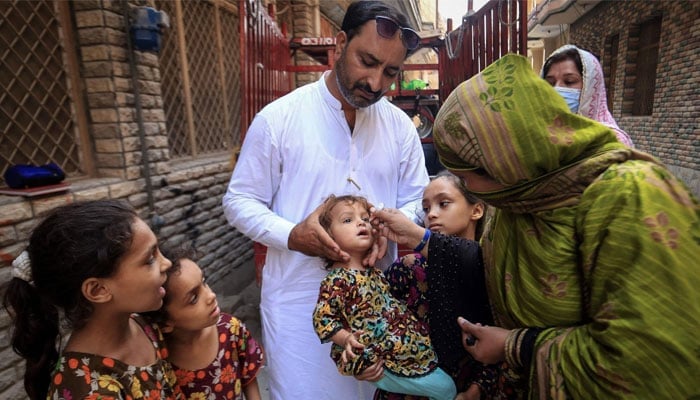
pixel 372 373
pixel 349 344
pixel 473 393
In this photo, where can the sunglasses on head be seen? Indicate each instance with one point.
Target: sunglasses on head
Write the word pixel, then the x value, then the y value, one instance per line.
pixel 387 27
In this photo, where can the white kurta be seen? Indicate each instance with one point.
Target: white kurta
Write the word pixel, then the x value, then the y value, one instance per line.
pixel 298 150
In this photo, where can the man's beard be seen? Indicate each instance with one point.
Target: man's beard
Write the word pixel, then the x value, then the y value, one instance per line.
pixel 346 87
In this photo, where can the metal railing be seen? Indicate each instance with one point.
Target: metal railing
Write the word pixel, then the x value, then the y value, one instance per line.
pixel 264 59
pixel 496 29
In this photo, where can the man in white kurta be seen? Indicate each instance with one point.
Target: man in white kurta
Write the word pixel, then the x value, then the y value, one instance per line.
pixel 298 150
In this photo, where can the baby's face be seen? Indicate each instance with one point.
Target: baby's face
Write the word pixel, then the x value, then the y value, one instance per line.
pixel 350 227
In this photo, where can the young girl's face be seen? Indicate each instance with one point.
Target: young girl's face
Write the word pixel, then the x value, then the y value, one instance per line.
pixel 192 305
pixel 447 211
pixel 137 285
pixel 350 227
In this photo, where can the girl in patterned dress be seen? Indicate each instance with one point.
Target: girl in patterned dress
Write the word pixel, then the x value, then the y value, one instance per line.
pixel 213 353
pixel 93 264
pixel 356 311
pixel 451 284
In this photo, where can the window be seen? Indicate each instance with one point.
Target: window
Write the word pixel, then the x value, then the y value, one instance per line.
pixel 644 49
pixel 612 44
pixel 201 78
pixel 36 110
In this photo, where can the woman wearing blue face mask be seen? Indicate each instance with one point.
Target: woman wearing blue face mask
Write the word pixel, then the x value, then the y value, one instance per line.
pixel 578 77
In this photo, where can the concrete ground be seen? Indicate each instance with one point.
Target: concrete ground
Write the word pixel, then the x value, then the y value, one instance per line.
pixel 239 295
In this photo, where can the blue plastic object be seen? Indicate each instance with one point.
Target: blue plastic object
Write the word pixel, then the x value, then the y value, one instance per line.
pixel 24 176
pixel 145 28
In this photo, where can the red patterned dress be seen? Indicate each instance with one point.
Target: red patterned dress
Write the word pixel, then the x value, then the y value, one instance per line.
pixel 237 363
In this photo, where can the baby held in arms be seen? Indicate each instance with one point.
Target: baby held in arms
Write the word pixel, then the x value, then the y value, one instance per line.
pixel 356 311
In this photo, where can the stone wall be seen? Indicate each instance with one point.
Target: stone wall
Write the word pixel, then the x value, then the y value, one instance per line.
pixel 181 200
pixel 672 132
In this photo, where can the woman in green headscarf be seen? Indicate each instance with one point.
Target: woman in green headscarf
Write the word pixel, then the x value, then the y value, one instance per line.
pixel 592 254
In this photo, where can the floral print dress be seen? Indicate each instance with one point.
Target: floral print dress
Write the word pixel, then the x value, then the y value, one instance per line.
pixel 236 364
pixel 361 301
pixel 90 376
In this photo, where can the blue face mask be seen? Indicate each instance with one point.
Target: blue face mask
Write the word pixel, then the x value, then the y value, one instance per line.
pixel 571 96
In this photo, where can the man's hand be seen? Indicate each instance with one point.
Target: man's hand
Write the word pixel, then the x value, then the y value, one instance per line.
pixel 378 251
pixel 310 238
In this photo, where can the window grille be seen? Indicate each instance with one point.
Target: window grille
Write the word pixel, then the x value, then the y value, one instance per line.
pixel 641 83
pixel 36 117
pixel 200 66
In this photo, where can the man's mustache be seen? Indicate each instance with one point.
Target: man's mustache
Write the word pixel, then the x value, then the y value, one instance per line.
pixel 365 87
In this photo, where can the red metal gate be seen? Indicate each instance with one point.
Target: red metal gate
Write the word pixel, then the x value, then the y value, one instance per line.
pixel 264 59
pixel 496 29
pixel 264 74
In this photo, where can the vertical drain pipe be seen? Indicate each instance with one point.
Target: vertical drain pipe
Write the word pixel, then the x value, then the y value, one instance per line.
pixel 145 160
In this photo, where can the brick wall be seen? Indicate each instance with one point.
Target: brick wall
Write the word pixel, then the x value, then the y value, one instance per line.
pixel 186 196
pixel 672 132
pixel 304 25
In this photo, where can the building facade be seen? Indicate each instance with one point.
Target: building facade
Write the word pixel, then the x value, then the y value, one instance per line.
pixel 155 129
pixel 650 53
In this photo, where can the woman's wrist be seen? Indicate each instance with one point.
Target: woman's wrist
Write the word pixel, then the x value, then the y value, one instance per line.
pixel 510 348
pixel 423 241
pixel 519 347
